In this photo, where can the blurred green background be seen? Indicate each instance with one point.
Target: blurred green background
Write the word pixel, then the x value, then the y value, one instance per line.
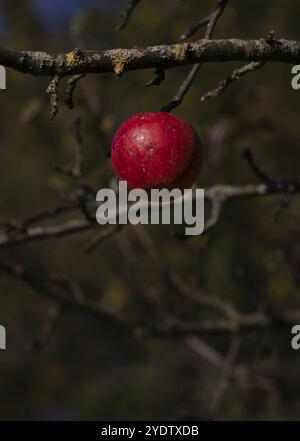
pixel 88 370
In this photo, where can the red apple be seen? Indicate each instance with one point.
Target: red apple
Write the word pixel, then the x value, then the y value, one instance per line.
pixel 157 150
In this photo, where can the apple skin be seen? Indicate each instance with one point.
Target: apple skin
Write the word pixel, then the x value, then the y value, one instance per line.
pixel 157 150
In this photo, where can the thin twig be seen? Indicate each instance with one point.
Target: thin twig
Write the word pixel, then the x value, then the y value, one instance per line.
pixel 72 83
pixel 159 76
pixel 52 90
pixel 235 75
pixel 195 27
pixel 126 15
pixel 47 214
pixel 100 237
pixel 227 371
pixel 79 156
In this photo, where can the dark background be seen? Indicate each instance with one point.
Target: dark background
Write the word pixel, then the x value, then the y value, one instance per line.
pixel 86 369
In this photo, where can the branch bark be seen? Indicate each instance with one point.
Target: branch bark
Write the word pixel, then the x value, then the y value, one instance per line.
pixel 165 56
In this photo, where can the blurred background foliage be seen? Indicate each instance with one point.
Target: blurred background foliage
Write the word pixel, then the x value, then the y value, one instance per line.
pixel 87 371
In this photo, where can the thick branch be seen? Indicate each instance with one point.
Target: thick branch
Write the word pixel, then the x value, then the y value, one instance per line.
pixel 164 56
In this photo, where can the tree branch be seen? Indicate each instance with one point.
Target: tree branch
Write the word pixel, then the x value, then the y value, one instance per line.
pixel 165 56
